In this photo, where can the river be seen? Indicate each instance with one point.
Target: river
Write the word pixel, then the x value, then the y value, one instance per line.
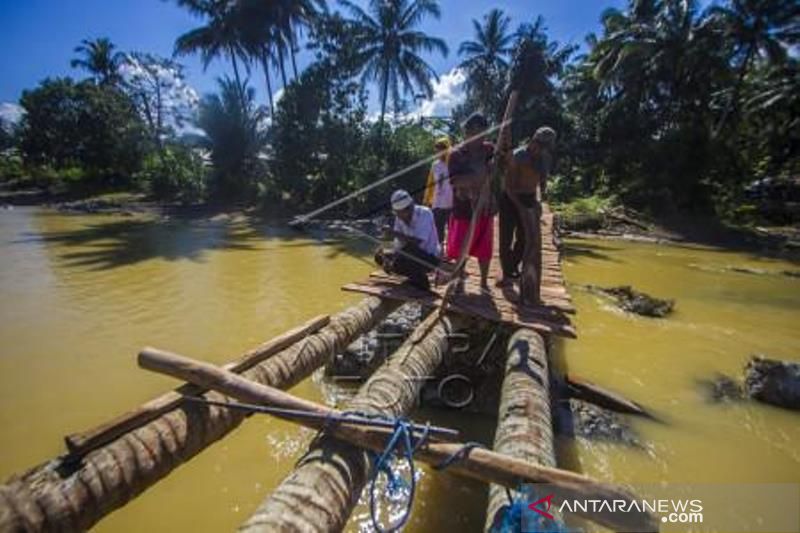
pixel 81 294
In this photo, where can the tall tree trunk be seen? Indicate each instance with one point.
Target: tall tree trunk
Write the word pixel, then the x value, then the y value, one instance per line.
pixel 320 493
pixel 265 65
pixel 282 63
pixel 294 51
pixel 524 426
pixel 733 102
pixel 67 495
pixel 239 86
pixel 384 97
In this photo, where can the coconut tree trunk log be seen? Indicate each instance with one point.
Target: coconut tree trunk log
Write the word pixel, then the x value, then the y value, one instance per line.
pixel 481 464
pixel 320 493
pixel 524 426
pixel 66 495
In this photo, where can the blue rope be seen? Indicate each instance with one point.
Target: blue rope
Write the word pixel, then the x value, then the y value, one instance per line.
pixel 515 516
pixel 403 433
pixel 459 454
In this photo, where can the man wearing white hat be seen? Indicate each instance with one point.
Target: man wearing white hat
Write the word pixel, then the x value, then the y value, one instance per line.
pixel 416 244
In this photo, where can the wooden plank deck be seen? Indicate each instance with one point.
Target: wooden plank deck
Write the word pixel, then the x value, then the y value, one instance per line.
pixel 502 305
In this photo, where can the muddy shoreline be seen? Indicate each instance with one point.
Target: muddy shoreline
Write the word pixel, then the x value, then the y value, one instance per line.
pixel 782 242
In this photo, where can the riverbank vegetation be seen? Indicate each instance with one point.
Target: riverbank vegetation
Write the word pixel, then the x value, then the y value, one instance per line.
pixel 668 108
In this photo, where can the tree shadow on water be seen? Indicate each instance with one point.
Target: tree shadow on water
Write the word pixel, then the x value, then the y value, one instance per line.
pixel 579 250
pixel 110 244
pixel 107 244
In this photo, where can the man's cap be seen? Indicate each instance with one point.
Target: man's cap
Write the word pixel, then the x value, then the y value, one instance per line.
pixel 476 121
pixel 401 200
pixel 545 136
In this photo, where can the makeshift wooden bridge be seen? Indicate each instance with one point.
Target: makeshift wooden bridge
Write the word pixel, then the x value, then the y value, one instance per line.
pixel 107 466
pixel 500 305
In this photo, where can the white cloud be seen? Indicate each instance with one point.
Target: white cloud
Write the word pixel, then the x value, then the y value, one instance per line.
pixel 448 92
pixel 11 112
pixel 179 101
pixel 277 95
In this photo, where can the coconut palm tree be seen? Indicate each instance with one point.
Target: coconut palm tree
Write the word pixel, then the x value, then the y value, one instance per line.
pixel 628 42
pixel 492 43
pixel 391 45
pixel 756 29
pixel 257 22
pixel 99 59
pixel 235 135
pixel 486 60
pixel 292 17
pixel 268 31
pixel 221 36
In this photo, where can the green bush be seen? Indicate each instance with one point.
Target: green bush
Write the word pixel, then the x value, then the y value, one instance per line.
pixel 585 214
pixel 57 180
pixel 10 166
pixel 95 127
pixel 563 188
pixel 176 172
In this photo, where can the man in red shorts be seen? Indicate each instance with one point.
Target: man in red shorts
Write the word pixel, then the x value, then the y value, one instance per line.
pixel 468 169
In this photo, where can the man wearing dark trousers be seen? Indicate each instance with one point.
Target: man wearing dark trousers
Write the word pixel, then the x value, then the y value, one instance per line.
pixel 416 244
pixel 528 170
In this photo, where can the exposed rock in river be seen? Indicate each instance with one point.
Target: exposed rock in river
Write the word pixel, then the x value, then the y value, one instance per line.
pixel 722 388
pixel 366 353
pixel 773 382
pixel 633 301
pixel 576 418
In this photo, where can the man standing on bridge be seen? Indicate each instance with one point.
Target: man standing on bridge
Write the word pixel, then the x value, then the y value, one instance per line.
pixel 526 179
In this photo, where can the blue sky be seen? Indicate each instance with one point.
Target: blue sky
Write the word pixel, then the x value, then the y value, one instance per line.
pixel 38 36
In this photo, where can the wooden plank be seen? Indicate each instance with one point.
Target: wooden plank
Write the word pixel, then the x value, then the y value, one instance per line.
pixel 501 305
pixel 526 319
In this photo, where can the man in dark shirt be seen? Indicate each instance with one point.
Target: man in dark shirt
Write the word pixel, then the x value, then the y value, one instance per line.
pixel 526 178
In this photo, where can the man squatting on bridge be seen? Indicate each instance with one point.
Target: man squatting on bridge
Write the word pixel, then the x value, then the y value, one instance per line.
pixel 415 250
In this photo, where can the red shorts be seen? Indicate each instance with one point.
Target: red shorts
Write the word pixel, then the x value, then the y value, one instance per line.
pixel 482 240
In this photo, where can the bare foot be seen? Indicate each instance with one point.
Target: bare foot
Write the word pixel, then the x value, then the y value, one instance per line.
pixel 504 282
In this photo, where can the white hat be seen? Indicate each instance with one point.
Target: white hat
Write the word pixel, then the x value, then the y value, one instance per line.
pixel 401 200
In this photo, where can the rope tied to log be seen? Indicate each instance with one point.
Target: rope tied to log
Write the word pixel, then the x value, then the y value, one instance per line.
pixel 459 454
pixel 403 435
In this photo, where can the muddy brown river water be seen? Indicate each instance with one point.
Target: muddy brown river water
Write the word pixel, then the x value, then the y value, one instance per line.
pixel 81 294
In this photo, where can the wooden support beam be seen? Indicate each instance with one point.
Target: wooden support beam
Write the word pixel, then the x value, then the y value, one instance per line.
pixel 290 407
pixel 66 495
pixel 587 391
pixel 483 465
pixel 524 425
pixel 320 493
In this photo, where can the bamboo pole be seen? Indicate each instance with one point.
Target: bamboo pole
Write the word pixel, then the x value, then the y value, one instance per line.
pixel 81 443
pixel 65 495
pixel 524 426
pixel 320 493
pixel 484 465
